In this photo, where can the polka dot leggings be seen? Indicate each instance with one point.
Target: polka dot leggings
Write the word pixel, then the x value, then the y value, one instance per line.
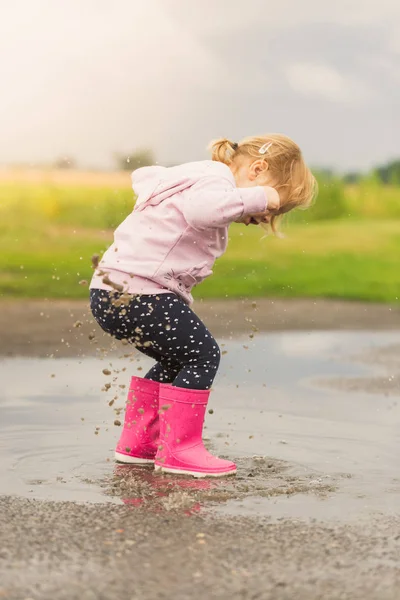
pixel 164 328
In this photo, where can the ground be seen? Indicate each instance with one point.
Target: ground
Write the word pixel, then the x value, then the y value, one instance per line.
pixel 69 552
pixel 45 327
pixel 176 539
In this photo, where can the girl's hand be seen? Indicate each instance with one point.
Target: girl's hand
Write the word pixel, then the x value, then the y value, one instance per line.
pixel 256 218
pixel 273 205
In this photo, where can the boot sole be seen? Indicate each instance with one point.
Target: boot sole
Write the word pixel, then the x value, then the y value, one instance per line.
pixel 195 474
pixel 132 460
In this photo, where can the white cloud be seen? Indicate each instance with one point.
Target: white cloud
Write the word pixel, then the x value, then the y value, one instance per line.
pixel 394 41
pixel 211 16
pixel 313 79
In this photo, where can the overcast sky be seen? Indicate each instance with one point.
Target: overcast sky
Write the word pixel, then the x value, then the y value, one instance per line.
pixel 88 78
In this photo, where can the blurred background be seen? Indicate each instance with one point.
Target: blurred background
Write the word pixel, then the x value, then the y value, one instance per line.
pixel 92 89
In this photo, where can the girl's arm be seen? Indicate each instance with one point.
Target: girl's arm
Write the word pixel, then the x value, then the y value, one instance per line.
pixel 215 202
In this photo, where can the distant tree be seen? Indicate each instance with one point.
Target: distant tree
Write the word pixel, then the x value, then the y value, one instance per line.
pixel 324 172
pixel 389 173
pixel 135 160
pixel 352 177
pixel 65 162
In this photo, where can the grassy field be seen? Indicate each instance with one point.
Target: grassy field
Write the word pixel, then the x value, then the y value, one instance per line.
pixel 51 224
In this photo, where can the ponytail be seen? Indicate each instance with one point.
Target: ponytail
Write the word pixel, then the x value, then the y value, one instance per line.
pixel 223 150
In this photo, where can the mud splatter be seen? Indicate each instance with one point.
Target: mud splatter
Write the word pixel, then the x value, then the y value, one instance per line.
pixel 116 286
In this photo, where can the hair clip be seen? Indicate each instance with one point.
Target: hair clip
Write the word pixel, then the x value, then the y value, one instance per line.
pixel 264 149
pixel 235 146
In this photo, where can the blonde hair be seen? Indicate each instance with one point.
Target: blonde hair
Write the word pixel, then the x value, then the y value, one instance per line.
pixel 285 164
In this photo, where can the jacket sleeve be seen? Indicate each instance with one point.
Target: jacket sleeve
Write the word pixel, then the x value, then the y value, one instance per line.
pixel 215 202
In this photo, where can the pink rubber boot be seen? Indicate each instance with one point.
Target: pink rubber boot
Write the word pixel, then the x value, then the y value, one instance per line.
pixel 138 441
pixel 181 449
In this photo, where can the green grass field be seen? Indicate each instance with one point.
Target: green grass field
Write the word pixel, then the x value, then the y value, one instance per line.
pixel 48 233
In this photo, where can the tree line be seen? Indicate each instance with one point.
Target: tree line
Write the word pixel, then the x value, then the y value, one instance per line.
pixel 387 174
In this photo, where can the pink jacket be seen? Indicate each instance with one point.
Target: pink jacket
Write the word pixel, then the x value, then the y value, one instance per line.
pixel 178 228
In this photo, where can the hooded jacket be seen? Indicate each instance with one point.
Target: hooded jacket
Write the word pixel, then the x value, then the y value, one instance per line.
pixel 177 229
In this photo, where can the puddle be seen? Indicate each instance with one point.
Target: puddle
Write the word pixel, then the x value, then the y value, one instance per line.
pixel 321 453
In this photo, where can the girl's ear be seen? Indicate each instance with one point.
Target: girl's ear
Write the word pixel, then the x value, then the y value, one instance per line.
pixel 258 167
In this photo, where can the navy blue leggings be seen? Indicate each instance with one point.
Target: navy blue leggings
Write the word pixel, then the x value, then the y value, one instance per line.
pixel 164 328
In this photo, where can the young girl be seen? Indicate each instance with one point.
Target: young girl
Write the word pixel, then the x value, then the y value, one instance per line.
pixel 141 290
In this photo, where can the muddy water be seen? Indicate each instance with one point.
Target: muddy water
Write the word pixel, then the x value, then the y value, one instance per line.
pixel 303 450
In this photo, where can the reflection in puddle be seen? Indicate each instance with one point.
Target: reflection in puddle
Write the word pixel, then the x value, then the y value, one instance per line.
pixel 57 433
pixel 139 487
pixel 263 477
